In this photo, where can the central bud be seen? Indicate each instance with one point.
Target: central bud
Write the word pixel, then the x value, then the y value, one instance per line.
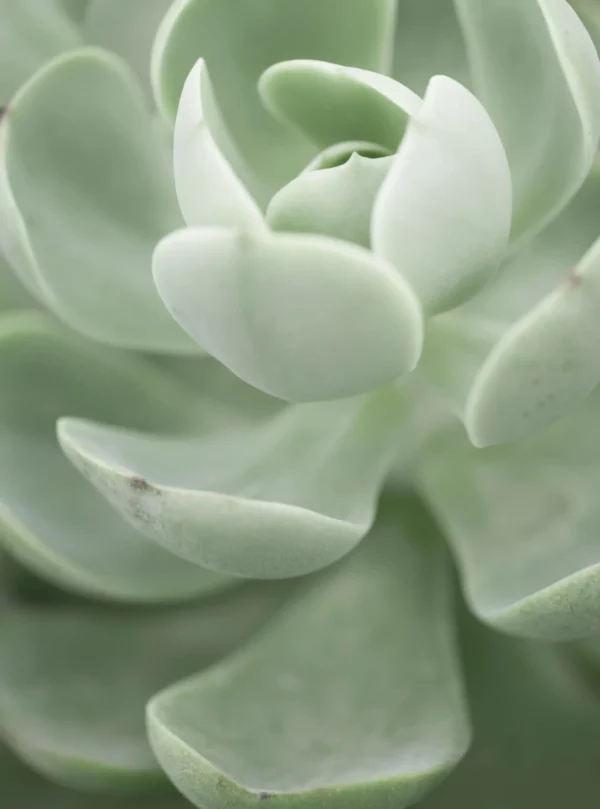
pixel 334 195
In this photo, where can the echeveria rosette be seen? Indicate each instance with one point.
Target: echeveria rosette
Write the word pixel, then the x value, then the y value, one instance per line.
pixel 375 257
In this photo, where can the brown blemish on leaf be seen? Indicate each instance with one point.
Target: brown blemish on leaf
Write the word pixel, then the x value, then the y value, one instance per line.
pixel 139 484
pixel 264 796
pixel 574 278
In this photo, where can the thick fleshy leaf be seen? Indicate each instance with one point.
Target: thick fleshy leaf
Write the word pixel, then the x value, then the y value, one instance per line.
pixel 73 685
pixel 536 70
pixel 304 318
pixel 523 520
pixel 332 103
pixel 544 262
pixel 332 202
pixel 32 33
pixel 349 698
pixel 50 519
pixel 537 730
pixel 428 43
pixel 268 500
pixel 126 27
pixel 239 40
pixel 23 789
pixel 442 215
pixel 544 365
pixel 85 195
pixel 521 354
pixel 208 188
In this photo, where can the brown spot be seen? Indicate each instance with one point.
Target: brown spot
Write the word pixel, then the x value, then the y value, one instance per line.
pixel 264 796
pixel 3 111
pixel 140 484
pixel 574 278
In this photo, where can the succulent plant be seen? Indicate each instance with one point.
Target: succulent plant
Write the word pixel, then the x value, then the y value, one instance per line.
pixel 298 409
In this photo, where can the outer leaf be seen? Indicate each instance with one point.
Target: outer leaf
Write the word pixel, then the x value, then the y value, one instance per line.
pixel 73 686
pixel 523 520
pixel 522 353
pixel 22 788
pixel 331 103
pixel 32 33
pixel 50 519
pixel 544 365
pixel 265 501
pixel 350 698
pixel 85 196
pixel 208 188
pixel 442 215
pixel 239 40
pixel 333 202
pixel 536 730
pixel 537 72
pixel 126 27
pixel 302 317
pixel 428 43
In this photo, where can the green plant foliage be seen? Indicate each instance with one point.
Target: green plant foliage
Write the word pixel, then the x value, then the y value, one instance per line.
pixel 299 403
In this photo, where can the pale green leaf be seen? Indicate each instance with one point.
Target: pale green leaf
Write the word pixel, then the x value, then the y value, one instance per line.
pixel 536 70
pixel 51 520
pixel 522 354
pixel 125 27
pixel 544 365
pixel 523 520
pixel 351 697
pixel 73 685
pixel 428 43
pixel 32 32
pixel 208 188
pixel 443 213
pixel 239 40
pixel 85 195
pixel 332 103
pixel 266 500
pixel 302 317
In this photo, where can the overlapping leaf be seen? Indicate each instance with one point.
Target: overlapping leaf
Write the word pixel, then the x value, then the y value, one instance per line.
pixel 523 520
pixel 219 31
pixel 302 317
pixel 32 33
pixel 209 173
pixel 428 43
pixel 523 353
pixel 350 697
pixel 267 500
pixel 51 519
pixel 85 194
pixel 73 685
pixel 536 69
pixel 443 213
